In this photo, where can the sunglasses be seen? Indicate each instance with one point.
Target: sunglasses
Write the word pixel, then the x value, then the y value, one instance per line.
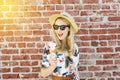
pixel 62 27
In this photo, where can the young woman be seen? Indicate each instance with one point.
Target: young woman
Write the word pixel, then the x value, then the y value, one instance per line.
pixel 61 57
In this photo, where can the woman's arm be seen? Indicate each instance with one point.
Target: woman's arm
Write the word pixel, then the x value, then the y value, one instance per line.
pixel 49 70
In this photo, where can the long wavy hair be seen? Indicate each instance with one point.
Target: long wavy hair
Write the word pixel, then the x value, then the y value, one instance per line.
pixel 69 40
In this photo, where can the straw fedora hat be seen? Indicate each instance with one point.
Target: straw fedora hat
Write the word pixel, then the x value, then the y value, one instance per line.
pixel 67 17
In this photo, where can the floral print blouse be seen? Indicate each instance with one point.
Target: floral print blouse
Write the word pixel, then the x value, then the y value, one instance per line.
pixel 65 64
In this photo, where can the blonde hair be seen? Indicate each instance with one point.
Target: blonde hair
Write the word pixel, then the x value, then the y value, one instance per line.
pixel 69 39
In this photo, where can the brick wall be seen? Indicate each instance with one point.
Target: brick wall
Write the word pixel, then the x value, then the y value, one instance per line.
pixel 24 29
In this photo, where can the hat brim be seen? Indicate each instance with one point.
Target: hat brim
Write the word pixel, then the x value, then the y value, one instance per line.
pixel 54 17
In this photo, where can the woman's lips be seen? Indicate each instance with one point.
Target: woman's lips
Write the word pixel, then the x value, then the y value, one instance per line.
pixel 60 35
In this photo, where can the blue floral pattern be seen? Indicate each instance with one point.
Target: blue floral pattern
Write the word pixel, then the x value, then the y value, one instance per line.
pixel 65 64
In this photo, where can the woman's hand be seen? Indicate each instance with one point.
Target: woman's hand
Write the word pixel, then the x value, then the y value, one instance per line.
pixel 53 60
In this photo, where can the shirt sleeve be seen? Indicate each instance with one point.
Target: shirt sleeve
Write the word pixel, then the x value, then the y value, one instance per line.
pixel 47 49
pixel 76 56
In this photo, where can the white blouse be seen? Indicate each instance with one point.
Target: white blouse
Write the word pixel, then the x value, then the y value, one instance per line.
pixel 65 65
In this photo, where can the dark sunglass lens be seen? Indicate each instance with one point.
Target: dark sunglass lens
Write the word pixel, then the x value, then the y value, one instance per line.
pixel 62 27
pixel 55 27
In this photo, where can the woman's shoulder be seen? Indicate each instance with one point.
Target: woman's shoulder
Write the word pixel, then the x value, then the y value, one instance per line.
pixel 76 53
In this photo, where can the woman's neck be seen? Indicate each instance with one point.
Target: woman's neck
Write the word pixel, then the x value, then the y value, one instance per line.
pixel 64 42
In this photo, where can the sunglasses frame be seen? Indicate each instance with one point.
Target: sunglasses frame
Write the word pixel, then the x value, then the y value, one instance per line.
pixel 62 27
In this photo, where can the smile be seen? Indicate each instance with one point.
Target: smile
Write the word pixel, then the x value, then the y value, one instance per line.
pixel 60 35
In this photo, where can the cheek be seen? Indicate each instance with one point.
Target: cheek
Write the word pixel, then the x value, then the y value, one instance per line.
pixel 66 33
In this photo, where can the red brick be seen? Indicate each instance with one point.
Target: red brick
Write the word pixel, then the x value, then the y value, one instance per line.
pixel 118 36
pixel 117 49
pixel 94 68
pixel 90 50
pixel 16 39
pixel 82 68
pixel 91 7
pixel 103 43
pixel 70 1
pixel 96 19
pixel 68 7
pixel 25 63
pixel 110 68
pixel 81 19
pixel 89 37
pixel 77 7
pixel 29 45
pixel 91 79
pixel 114 31
pixel 107 37
pixel 32 14
pixel 104 49
pixel 113 56
pixel 3 70
pixel 98 31
pixel 52 1
pixel 22 45
pixel 36 57
pixel 10 76
pixel 10 63
pixel 114 18
pixel 8 33
pixel 112 43
pixel 33 75
pixel 60 7
pixel 47 38
pixel 36 69
pixel 117 61
pixel 108 25
pixel 90 1
pixel 104 62
pixel 20 69
pixel 92 56
pixel 29 51
pixel 20 57
pixel 40 7
pixel 49 7
pixel 41 32
pixel 108 12
pixel 103 74
pixel 105 6
pixel 21 33
pixel 40 20
pixel 50 13
pixel 3 57
pixel 87 62
pixel 36 26
pixel 116 73
pixel 107 1
pixel 40 45
pixel 30 39
pixel 117 78
pixel 34 63
pixel 86 74
pixel 83 43
pixel 9 51
pixel 84 13
pixel 25 20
